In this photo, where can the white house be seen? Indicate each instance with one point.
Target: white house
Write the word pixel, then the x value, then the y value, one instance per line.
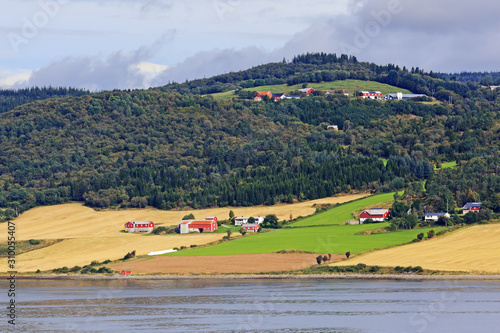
pixel 244 220
pixel 403 97
pixel 429 217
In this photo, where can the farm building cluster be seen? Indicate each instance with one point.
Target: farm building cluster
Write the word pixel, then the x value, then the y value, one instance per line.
pixel 381 215
pixel 305 92
pixel 209 224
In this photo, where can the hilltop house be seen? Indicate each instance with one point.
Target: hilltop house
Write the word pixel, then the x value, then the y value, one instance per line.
pixel 278 97
pixel 307 91
pixel 332 127
pixel 402 97
pixel 474 207
pixel 429 217
pixel 370 94
pixel 244 220
pixel 145 227
pixel 261 94
pixel 207 225
pixel 376 214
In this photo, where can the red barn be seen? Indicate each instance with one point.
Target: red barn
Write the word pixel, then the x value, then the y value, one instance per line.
pixel 474 207
pixel 370 94
pixel 139 226
pixel 376 214
pixel 307 91
pixel 251 227
pixel 207 225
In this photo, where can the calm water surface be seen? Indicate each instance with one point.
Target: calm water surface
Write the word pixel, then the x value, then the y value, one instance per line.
pixel 257 306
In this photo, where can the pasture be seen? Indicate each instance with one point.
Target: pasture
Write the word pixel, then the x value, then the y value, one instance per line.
pixel 334 239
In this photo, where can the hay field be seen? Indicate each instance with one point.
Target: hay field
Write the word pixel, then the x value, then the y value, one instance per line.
pixel 74 220
pixel 82 251
pixel 96 235
pixel 475 250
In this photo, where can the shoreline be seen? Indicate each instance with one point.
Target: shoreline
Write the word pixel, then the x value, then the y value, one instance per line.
pixel 394 277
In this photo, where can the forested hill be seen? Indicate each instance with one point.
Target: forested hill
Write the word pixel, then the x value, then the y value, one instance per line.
pixel 322 67
pixel 170 147
pixel 10 99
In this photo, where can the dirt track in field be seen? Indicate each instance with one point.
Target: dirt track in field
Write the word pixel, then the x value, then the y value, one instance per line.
pixel 245 263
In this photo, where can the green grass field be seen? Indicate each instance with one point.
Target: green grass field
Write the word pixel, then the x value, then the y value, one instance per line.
pixel 331 236
pixel 446 165
pixel 328 239
pixel 350 85
pixel 342 213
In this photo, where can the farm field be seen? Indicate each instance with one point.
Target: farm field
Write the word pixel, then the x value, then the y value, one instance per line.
pixel 474 250
pixel 335 239
pixel 74 220
pixel 89 235
pixel 243 264
pixel 82 251
pixel 350 85
pixel 343 213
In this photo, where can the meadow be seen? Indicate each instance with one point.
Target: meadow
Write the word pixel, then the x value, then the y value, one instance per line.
pixel 349 85
pixel 335 239
pixel 343 213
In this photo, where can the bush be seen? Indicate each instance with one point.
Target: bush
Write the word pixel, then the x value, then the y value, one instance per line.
pixel 107 261
pixel 129 255
pixel 319 259
pixel 38 271
pixel 193 246
pixel 348 254
pixel 418 269
pixel 420 236
pixel 94 263
pixel 431 233
pixel 374 269
pixel 176 249
pixel 75 269
pixel 183 247
pixel 189 217
pixel 34 241
pixel 104 270
pixel 360 267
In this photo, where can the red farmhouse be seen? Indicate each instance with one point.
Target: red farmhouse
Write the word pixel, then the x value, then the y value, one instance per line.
pixel 249 227
pixel 474 207
pixel 207 225
pixel 140 226
pixel 376 214
pixel 371 94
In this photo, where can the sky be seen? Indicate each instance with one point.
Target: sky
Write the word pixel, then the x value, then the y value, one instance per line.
pixel 129 44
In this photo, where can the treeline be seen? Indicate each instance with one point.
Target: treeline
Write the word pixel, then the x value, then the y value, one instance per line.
pixel 10 99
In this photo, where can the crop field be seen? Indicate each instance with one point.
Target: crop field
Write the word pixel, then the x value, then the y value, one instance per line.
pixel 74 220
pixel 89 235
pixel 82 251
pixel 350 85
pixel 343 213
pixel 474 249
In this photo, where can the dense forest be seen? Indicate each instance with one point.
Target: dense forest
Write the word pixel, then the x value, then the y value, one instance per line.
pixel 10 99
pixel 175 146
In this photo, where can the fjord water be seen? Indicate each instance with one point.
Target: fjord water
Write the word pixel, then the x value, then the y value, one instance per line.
pixel 257 306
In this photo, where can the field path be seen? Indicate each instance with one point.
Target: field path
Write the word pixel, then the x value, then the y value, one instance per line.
pixel 475 250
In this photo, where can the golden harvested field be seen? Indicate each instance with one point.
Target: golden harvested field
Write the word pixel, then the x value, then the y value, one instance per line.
pixel 74 220
pixel 475 250
pixel 97 235
pixel 82 251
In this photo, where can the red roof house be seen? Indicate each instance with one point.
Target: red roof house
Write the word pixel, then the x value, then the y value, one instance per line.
pixel 370 94
pixel 139 226
pixel 207 225
pixel 307 91
pixel 376 214
pixel 251 227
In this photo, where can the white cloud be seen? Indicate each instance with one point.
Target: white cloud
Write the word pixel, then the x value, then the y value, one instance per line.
pixel 10 79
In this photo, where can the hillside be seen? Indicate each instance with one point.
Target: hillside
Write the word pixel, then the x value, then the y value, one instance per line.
pixel 171 147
